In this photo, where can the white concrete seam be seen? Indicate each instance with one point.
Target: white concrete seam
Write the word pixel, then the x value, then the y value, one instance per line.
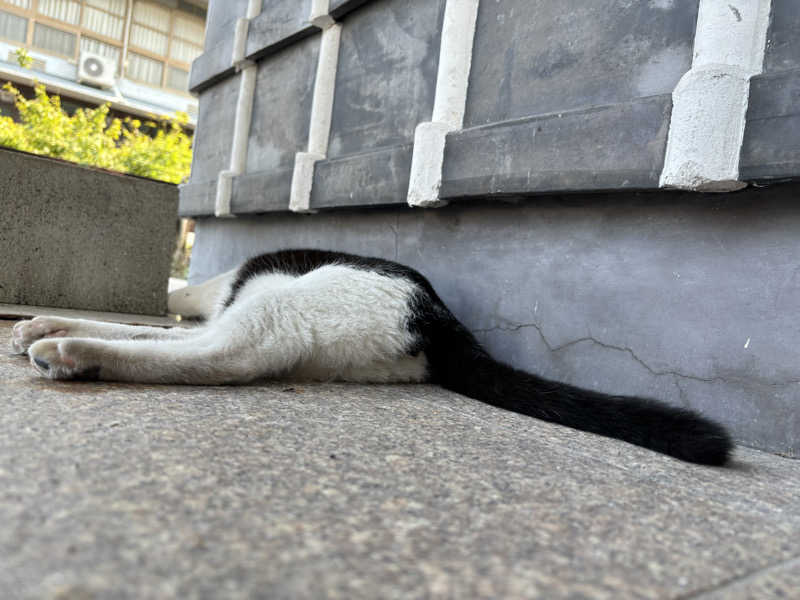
pixel 452 80
pixel 239 42
pixel 319 14
pixel 253 9
pixel 710 101
pixel 243 115
pixel 319 128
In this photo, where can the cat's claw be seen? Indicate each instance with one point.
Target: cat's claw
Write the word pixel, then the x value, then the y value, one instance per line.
pixel 58 359
pixel 26 333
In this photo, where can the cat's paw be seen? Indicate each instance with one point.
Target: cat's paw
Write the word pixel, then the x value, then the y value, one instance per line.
pixel 64 359
pixel 26 333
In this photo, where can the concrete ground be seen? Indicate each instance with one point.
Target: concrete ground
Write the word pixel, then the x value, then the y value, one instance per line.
pixel 115 491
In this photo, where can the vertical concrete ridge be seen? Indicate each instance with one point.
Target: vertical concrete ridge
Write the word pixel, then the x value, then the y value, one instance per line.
pixel 710 100
pixel 319 128
pixel 244 112
pixel 452 80
pixel 320 14
pixel 239 41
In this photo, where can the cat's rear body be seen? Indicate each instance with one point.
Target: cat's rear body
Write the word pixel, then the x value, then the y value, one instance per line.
pixel 317 315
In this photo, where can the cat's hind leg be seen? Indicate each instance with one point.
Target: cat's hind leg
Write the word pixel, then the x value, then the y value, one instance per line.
pixel 27 332
pixel 202 360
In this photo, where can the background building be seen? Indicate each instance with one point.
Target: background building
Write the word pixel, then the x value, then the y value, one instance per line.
pixel 134 54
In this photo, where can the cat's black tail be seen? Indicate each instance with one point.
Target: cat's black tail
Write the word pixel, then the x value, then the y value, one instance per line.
pixel 459 363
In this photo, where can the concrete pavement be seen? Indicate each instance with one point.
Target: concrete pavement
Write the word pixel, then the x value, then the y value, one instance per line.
pixel 115 491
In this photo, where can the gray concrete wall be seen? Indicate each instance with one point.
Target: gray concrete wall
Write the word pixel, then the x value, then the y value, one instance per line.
pixel 384 87
pixel 685 298
pixel 536 57
pixel 562 97
pixel 771 146
pixel 76 237
pixel 688 298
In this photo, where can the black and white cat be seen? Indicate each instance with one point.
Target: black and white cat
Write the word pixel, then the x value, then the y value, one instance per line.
pixel 317 315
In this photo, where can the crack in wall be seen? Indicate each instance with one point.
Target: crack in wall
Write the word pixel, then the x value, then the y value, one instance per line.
pixel 629 351
pixel 681 392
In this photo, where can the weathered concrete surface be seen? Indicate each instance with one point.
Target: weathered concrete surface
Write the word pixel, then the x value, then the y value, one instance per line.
pixel 339 8
pixel 771 145
pixel 212 145
pixel 280 23
pixel 76 237
pixel 281 113
pixel 588 149
pixel 783 47
pixel 687 298
pixel 374 178
pixel 279 129
pixel 215 62
pixel 385 86
pixel 569 96
pixel 344 491
pixel 386 76
pixel 534 57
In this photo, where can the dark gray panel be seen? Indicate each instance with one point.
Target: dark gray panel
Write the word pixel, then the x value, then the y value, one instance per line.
pixel 212 140
pixel 774 95
pixel 215 62
pixel 771 145
pixel 262 192
pixel 612 147
pixel 220 20
pixel 375 178
pixel 387 74
pixel 280 23
pixel 256 193
pixel 197 199
pixel 538 56
pixel 212 66
pixel 340 8
pixel 282 106
pixel 783 38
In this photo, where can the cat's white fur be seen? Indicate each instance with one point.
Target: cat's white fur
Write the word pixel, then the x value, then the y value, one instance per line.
pixel 334 323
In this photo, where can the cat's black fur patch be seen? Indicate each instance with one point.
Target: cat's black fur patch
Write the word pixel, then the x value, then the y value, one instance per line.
pixel 300 262
pixel 457 362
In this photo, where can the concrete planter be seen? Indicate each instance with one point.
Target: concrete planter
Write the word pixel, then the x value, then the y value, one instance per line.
pixel 77 237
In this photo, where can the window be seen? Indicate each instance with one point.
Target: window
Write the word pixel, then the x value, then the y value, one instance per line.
pixel 150 28
pixel 105 17
pixel 187 38
pixel 116 7
pixel 13 27
pixel 164 38
pixel 101 48
pixel 54 40
pixel 144 69
pixel 165 42
pixel 68 11
pixel 178 79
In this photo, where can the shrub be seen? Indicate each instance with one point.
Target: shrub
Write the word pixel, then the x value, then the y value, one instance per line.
pixel 90 137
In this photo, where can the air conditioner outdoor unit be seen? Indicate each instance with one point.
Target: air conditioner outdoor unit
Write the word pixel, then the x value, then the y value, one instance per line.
pixel 96 69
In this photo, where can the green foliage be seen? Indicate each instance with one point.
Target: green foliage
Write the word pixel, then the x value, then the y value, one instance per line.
pixel 24 59
pixel 90 137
